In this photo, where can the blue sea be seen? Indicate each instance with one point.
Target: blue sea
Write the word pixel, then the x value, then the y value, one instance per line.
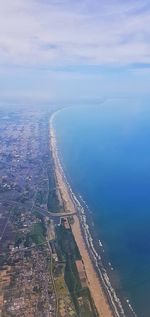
pixel 105 150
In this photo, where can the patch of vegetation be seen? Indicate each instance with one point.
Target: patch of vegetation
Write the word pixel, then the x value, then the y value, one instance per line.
pixel 68 250
pixel 38 233
pixel 70 220
pixel 28 241
pixel 3 259
pixel 61 286
pixel 19 239
pixel 53 204
pixel 67 244
pixel 86 305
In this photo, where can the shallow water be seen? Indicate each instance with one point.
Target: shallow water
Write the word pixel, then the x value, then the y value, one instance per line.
pixel 106 154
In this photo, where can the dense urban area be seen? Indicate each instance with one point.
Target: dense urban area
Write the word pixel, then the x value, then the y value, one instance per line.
pixel 41 270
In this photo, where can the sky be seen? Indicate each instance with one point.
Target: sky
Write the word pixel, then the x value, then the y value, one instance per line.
pixel 67 50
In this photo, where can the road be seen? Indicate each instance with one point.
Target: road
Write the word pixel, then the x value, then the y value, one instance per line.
pixel 52 278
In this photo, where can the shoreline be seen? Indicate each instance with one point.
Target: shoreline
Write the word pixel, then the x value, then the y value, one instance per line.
pixel 104 296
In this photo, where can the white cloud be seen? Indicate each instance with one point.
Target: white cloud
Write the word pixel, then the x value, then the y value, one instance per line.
pixel 58 49
pixel 55 33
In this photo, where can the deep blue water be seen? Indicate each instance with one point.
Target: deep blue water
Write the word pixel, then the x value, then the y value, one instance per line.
pixel 106 153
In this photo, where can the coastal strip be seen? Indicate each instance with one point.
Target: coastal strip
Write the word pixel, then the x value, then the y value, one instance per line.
pixel 106 301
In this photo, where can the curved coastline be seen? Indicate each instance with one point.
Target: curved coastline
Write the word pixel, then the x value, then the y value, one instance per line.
pixel 104 296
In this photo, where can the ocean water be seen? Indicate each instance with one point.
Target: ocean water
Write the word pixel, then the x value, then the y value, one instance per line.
pixel 105 150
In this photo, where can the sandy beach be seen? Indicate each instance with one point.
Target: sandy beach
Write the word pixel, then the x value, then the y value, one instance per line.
pixel 94 284
pixel 95 287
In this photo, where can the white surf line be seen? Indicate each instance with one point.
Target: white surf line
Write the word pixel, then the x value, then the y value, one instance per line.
pixel 97 257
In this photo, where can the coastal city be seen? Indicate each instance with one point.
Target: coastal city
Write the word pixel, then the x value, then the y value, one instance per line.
pixel 74 158
pixel 42 273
